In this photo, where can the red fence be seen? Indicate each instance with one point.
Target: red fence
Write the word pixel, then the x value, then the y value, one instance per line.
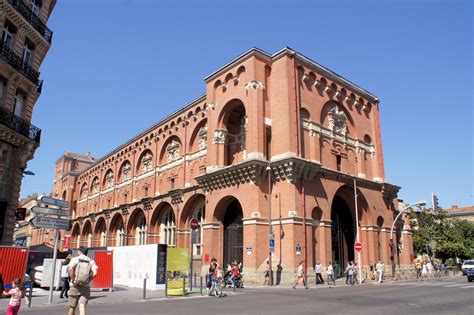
pixel 103 280
pixel 12 264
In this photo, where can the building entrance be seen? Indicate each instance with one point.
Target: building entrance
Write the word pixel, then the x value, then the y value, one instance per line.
pixel 233 233
pixel 342 234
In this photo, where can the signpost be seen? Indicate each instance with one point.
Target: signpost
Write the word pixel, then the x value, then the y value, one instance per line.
pixel 43 221
pixel 194 226
pixel 54 202
pixel 50 223
pixel 42 210
pixel 358 246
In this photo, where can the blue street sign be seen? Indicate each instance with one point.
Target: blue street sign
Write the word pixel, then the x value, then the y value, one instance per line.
pixel 272 245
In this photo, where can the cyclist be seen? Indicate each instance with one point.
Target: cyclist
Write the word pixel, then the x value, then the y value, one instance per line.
pixel 210 275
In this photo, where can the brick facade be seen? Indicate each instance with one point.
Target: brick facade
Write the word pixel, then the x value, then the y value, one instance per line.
pixel 281 116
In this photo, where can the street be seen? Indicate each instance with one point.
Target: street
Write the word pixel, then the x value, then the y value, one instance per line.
pixel 434 296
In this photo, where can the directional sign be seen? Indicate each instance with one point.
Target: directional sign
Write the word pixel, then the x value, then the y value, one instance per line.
pixel 42 210
pixel 53 202
pixel 358 246
pixel 50 223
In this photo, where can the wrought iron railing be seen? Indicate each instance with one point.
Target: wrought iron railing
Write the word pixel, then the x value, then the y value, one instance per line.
pixel 32 18
pixel 18 124
pixel 16 62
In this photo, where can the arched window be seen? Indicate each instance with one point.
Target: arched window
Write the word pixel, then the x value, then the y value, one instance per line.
pixel 125 171
pixel 84 191
pixel 109 179
pixel 197 234
pixel 120 237
pixel 168 228
pixel 140 231
pixel 95 186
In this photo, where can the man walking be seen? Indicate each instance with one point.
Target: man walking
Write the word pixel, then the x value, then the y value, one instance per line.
pixel 81 270
pixel 379 267
pixel 330 274
pixel 318 269
pixel 349 273
pixel 300 275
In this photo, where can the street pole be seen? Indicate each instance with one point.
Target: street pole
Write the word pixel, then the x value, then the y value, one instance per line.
pixel 392 243
pixel 55 253
pixel 357 231
pixel 270 230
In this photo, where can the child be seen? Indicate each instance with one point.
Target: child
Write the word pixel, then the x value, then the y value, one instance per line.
pixel 16 293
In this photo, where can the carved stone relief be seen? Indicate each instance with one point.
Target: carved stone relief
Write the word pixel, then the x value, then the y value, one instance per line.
pixel 173 151
pixel 202 134
pixel 337 120
pixel 220 136
pixel 147 162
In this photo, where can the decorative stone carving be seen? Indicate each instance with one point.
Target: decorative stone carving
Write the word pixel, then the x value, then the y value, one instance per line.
pixel 202 134
pixel 147 162
pixel 292 169
pixel 247 172
pixel 176 196
pixel 95 185
pixel 109 179
pixel 254 84
pixel 220 136
pixel 126 171
pixel 124 210
pixel 84 191
pixel 337 120
pixel 305 77
pixel 173 151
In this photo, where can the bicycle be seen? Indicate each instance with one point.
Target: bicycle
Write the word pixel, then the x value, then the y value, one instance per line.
pixel 216 287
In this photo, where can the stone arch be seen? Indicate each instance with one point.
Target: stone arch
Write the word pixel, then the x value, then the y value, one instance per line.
pixel 76 235
pixel 117 230
pixel 336 117
pixel 125 171
pixel 198 140
pixel 108 180
pixel 84 190
pixel 195 201
pixel 95 185
pixel 145 162
pixel 86 235
pixel 137 228
pixel 163 224
pixel 171 150
pixel 304 114
pixel 100 233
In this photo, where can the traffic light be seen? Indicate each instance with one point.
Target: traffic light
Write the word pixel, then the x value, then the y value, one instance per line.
pixel 435 202
pixel 20 214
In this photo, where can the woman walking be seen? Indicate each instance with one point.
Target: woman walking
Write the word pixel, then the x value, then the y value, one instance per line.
pixel 65 277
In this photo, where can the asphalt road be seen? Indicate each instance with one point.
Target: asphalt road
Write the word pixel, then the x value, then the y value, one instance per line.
pixel 445 296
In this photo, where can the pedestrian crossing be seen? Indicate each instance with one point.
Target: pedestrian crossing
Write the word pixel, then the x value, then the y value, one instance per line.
pixel 434 283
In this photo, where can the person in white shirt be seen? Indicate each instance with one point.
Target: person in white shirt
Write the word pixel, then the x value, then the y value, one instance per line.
pixel 318 269
pixel 300 275
pixel 330 274
pixel 65 277
pixel 80 293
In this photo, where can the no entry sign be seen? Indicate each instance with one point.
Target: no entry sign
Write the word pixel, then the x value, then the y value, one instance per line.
pixel 194 224
pixel 358 246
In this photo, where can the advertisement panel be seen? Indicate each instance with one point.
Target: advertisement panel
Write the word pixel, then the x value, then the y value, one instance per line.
pixel 177 260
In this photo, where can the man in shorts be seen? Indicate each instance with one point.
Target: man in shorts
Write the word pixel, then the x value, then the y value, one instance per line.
pixel 80 293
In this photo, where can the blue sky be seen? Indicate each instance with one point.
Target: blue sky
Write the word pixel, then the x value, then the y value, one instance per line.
pixel 118 66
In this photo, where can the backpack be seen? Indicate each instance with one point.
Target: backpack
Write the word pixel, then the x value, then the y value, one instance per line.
pixel 83 272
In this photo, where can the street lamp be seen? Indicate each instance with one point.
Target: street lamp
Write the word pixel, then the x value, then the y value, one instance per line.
pixel 270 230
pixel 420 203
pixel 28 173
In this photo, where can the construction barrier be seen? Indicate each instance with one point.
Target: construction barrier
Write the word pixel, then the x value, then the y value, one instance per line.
pixel 12 264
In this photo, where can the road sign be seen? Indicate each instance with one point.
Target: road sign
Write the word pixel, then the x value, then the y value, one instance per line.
pixel 271 244
pixel 42 210
pixel 53 202
pixel 50 223
pixel 194 224
pixel 358 246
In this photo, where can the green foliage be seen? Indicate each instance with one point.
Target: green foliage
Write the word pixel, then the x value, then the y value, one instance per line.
pixel 442 236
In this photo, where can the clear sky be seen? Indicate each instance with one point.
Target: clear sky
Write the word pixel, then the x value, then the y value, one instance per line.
pixel 118 66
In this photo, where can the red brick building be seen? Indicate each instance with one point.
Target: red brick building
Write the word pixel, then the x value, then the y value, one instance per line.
pixel 281 116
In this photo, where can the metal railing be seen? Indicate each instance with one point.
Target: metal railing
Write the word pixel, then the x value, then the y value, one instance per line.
pixel 16 62
pixel 19 125
pixel 32 18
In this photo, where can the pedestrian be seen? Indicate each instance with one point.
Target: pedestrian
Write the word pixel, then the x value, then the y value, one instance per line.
pixel 355 275
pixel 349 273
pixel 82 270
pixel 267 274
pixel 330 274
pixel 430 268
pixel 65 277
pixel 16 293
pixel 371 271
pixel 379 268
pixel 424 271
pixel 300 275
pixel 318 269
pixel 234 274
pixel 418 269
pixel 210 273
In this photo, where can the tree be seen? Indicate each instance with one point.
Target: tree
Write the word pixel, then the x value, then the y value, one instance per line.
pixel 440 235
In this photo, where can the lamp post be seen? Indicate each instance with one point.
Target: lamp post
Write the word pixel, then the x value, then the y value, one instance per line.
pixel 420 203
pixel 270 229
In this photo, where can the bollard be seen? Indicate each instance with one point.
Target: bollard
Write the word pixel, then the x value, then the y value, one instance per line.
pixel 144 288
pixel 184 285
pixel 201 286
pixel 166 286
pixel 194 279
pixel 30 294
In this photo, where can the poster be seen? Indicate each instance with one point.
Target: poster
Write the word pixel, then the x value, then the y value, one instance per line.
pixel 177 260
pixel 161 265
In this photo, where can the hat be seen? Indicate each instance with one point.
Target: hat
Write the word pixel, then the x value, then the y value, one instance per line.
pixel 83 249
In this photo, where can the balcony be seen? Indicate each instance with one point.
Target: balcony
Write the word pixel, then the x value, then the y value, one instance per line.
pixel 33 19
pixel 16 62
pixel 19 125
